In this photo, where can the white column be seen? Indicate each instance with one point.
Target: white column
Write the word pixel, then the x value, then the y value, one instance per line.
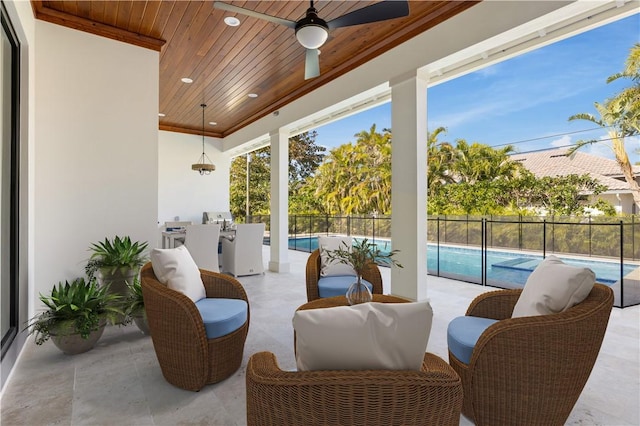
pixel 279 201
pixel 409 185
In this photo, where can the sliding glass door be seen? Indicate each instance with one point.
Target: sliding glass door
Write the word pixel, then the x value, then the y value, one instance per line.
pixel 9 87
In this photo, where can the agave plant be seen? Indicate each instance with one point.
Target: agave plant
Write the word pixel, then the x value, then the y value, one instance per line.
pixel 119 254
pixel 134 305
pixel 74 308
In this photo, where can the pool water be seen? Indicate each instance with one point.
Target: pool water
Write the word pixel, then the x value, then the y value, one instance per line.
pixel 502 267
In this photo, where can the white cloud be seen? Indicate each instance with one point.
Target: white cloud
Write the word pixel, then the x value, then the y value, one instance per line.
pixel 562 142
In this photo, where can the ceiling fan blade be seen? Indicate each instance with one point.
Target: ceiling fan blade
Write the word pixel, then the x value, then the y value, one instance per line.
pixel 311 64
pixel 231 8
pixel 376 12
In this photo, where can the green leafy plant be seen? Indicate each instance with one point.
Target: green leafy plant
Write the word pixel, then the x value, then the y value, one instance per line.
pixel 121 253
pixel 134 303
pixel 360 254
pixel 76 307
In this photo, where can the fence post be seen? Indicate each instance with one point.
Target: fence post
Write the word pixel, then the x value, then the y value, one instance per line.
pixel 553 235
pixel 467 227
pixel 295 232
pixel 373 231
pixel 483 252
pixel 589 235
pixel 544 238
pixel 622 264
pixel 520 231
pixel 438 245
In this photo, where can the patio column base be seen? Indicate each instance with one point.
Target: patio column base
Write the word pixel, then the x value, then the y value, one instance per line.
pixel 279 266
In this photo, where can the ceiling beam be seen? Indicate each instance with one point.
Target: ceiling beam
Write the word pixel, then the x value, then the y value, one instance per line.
pixel 60 18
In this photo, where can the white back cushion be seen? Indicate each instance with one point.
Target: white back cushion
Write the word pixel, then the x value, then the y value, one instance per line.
pixel 368 336
pixel 176 268
pixel 333 267
pixel 553 287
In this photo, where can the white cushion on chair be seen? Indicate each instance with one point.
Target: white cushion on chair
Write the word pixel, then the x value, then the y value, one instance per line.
pixel 330 267
pixel 369 336
pixel 553 287
pixel 176 268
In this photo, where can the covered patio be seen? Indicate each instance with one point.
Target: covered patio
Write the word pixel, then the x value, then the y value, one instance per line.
pixel 119 381
pixel 93 163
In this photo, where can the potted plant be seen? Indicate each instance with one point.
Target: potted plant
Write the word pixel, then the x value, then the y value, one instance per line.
pixel 116 263
pixel 76 316
pixel 359 256
pixel 134 307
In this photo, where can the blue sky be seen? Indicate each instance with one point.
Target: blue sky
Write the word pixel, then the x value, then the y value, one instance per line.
pixel 527 97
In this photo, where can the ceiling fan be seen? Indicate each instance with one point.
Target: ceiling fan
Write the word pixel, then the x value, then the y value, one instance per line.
pixel 312 31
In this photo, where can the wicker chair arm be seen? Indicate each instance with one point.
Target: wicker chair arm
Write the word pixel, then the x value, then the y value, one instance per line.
pixel 372 274
pixel 312 275
pixel 494 304
pixel 219 285
pixel 385 397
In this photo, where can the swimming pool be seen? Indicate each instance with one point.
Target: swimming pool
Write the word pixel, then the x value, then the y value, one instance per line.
pixel 503 268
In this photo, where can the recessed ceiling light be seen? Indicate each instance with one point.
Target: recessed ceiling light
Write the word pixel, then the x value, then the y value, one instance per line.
pixel 253 95
pixel 232 21
pixel 186 80
pixel 160 114
pixel 213 123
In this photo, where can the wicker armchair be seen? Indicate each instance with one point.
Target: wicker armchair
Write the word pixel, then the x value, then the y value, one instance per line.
pixel 187 358
pixel 371 274
pixel 531 370
pixel 432 396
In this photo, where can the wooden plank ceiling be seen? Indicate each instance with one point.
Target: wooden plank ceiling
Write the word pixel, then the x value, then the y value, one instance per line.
pixel 228 63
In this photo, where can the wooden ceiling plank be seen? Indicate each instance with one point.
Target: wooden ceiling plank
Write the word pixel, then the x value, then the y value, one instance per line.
pixel 205 67
pixel 97 11
pixel 180 46
pixel 138 9
pixel 124 11
pixel 191 39
pixel 178 10
pixel 111 12
pixel 83 8
pixel 152 22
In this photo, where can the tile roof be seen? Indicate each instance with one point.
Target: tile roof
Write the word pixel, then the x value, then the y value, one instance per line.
pixel 555 162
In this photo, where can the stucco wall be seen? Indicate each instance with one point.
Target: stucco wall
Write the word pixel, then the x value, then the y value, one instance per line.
pixel 96 148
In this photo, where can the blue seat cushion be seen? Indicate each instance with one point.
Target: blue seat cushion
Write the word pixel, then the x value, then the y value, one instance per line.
pixel 337 285
pixel 463 333
pixel 222 316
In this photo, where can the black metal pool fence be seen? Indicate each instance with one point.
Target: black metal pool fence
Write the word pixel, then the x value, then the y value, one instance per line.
pixel 610 239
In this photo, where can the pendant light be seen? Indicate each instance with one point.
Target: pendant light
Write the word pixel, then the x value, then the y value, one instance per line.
pixel 204 165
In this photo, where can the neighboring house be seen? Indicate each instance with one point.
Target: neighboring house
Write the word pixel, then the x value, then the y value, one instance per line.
pixel 556 163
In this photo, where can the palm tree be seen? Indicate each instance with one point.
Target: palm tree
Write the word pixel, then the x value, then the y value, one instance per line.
pixel 621 115
pixel 440 156
pixel 356 178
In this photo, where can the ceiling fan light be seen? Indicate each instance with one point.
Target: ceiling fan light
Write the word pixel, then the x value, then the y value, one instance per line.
pixel 312 36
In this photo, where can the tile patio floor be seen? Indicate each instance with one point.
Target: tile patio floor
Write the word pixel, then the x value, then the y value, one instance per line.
pixel 119 382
